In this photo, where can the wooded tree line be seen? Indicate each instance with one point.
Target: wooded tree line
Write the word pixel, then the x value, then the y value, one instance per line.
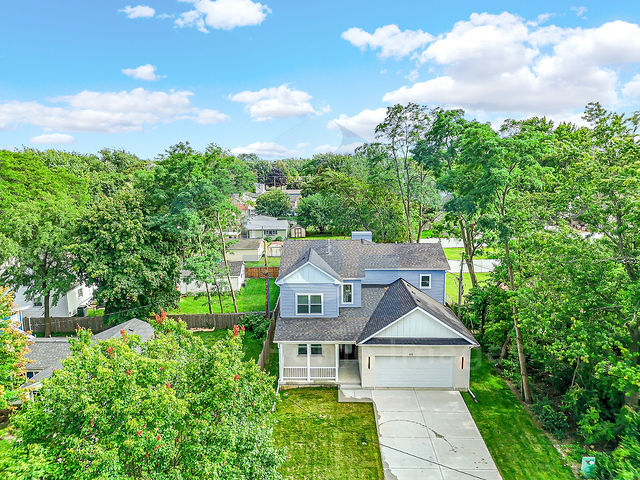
pixel 124 225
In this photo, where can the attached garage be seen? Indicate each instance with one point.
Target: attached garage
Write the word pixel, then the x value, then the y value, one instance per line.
pixel 419 372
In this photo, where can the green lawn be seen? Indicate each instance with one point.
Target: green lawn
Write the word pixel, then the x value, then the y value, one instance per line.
pixel 518 446
pixel 251 345
pixel 250 299
pixel 273 262
pixel 456 254
pixel 452 284
pixel 325 439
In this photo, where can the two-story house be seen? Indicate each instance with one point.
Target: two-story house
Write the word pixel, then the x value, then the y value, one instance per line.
pixel 369 314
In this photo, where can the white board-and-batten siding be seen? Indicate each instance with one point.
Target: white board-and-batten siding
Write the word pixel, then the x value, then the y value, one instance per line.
pixel 416 324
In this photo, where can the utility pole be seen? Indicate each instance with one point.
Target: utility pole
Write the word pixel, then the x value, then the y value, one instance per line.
pixel 266 280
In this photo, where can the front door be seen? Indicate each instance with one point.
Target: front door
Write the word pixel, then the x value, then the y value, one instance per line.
pixel 348 351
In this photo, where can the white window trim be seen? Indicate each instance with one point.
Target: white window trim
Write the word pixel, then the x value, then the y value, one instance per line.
pixel 430 284
pixel 321 354
pixel 342 293
pixel 310 295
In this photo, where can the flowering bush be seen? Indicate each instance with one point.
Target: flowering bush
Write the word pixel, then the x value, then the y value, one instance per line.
pixel 166 409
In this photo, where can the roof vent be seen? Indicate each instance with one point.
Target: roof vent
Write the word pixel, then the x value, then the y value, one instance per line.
pixel 363 235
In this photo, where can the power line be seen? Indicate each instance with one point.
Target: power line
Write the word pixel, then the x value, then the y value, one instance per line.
pixel 383 445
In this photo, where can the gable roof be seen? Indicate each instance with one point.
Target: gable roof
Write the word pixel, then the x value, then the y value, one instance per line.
pixel 245 244
pixel 350 258
pixel 135 326
pixel 312 257
pixel 401 298
pixel 45 352
pixel 264 222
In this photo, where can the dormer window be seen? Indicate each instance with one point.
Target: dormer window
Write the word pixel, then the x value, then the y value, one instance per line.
pixel 425 281
pixel 347 293
pixel 309 304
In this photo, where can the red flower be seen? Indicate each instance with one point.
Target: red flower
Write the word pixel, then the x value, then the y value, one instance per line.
pixel 159 437
pixel 92 423
pixel 236 329
pixel 167 384
pixel 242 328
pixel 235 379
pixel 128 371
pixel 122 332
pixel 156 447
pixel 139 433
pixel 109 350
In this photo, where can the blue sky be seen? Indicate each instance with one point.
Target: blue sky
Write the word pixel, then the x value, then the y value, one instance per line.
pixel 291 78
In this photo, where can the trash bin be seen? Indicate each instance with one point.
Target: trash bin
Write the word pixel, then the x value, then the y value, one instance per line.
pixel 588 466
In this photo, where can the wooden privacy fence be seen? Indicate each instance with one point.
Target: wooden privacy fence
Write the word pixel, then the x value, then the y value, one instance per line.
pixel 96 324
pixel 263 359
pixel 258 272
pixel 64 324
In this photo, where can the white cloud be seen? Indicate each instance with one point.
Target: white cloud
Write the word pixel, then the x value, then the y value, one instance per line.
pixel 139 11
pixel 348 148
pixel 222 14
pixel 143 72
pixel 500 63
pixel 632 88
pixel 360 126
pixel 391 41
pixel 277 102
pixel 266 150
pixel 122 111
pixel 302 145
pixel 580 11
pixel 53 138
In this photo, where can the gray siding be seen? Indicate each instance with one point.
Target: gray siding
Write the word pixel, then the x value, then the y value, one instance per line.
pixel 288 293
pixel 357 294
pixel 385 277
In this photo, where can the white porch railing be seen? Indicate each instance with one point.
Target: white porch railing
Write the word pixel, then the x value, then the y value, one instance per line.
pixel 316 373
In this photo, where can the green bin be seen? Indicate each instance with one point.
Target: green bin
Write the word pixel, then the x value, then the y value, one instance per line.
pixel 588 466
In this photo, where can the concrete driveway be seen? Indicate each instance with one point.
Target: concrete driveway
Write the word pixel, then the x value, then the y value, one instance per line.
pixel 432 425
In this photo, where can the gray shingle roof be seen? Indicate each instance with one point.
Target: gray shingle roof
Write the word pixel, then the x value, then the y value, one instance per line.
pixel 46 352
pixel 399 299
pixel 350 258
pixel 311 256
pixel 264 222
pixel 245 244
pixel 135 326
pixel 417 341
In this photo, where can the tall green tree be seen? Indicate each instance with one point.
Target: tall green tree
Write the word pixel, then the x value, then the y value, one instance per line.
pixel 274 203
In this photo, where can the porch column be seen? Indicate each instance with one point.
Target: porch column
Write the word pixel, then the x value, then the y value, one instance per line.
pixel 337 346
pixel 281 360
pixel 308 362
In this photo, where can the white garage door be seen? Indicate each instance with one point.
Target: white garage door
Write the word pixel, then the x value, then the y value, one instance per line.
pixel 435 372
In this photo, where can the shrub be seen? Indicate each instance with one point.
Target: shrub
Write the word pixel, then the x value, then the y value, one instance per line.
pixel 553 421
pixel 267 239
pixel 595 430
pixel 257 323
pixel 279 238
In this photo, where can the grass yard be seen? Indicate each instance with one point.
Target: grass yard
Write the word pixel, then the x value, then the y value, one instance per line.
pixel 251 345
pixel 325 439
pixel 518 446
pixel 452 284
pixel 273 262
pixel 456 254
pixel 250 299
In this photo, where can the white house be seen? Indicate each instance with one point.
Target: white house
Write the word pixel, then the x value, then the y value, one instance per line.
pixel 66 305
pixel 245 250
pixel 260 226
pixel 236 273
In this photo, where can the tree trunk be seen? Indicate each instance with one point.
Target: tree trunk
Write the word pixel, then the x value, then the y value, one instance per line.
pixel 47 314
pixel 505 346
pixel 266 282
pixel 206 284
pixel 483 315
pixel 522 359
pixel 219 295
pixel 467 242
pixel 224 257
pixel 460 290
pixel 633 399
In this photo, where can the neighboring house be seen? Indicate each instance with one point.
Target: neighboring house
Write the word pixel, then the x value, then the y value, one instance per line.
pixel 79 295
pixel 47 354
pixel 358 312
pixel 236 273
pixel 260 226
pixel 260 188
pixel 298 231
pixel 274 249
pixel 245 250
pixel 294 196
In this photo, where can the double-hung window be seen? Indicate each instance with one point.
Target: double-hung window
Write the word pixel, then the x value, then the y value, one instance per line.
pixel 309 304
pixel 425 280
pixel 347 293
pixel 316 349
pixel 271 232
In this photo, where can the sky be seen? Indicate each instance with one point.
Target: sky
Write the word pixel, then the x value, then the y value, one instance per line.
pixel 293 78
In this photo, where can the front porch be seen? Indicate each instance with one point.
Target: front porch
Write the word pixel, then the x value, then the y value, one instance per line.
pixel 308 363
